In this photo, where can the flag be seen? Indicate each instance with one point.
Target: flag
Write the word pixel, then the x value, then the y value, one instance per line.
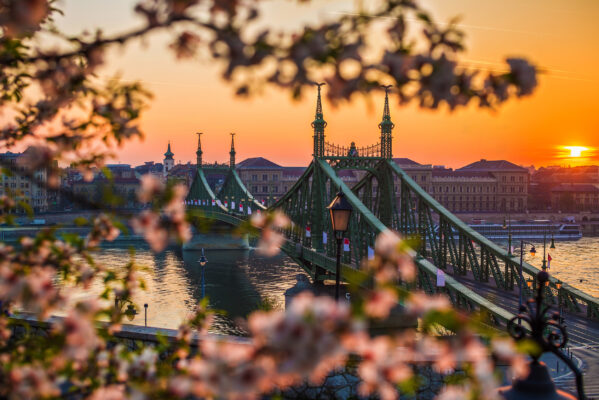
pixel 308 232
pixel 549 260
pixel 240 207
pixel 440 278
pixel 370 253
pixel 213 202
pixel 346 244
pixel 511 249
pixel 249 210
pixel 226 204
pixel 324 238
pixel 262 201
pixel 233 205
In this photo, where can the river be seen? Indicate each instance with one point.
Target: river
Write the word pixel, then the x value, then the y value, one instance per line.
pixel 237 281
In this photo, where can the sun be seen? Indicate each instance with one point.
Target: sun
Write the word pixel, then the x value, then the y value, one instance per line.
pixel 576 151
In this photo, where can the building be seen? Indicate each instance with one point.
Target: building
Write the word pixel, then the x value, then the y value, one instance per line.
pixel 118 189
pixel 575 197
pixel 183 173
pixel 21 188
pixel 150 167
pixel 268 181
pixel 511 193
pixel 545 179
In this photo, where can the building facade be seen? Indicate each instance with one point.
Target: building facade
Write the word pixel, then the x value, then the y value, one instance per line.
pixel 572 197
pixel 21 188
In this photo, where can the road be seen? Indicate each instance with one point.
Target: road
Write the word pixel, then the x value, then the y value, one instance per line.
pixel 583 340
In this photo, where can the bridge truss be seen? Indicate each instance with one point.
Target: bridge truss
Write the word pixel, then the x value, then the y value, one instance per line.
pixel 385 198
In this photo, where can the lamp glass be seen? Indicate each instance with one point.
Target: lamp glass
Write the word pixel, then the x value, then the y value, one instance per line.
pixel 340 219
pixel 558 285
pixel 203 261
pixel 533 251
pixel 529 283
pixel 340 210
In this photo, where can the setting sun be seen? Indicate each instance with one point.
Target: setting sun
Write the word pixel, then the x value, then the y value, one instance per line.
pixel 575 151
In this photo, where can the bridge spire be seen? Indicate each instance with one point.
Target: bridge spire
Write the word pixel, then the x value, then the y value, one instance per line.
pixel 199 151
pixel 318 125
pixel 232 152
pixel 386 127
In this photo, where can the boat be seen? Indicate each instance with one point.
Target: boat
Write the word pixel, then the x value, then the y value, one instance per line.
pixel 533 230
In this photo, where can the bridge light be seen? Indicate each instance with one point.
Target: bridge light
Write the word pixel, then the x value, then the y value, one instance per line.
pixel 340 210
pixel 529 283
pixel 558 285
pixel 552 243
pixel 533 251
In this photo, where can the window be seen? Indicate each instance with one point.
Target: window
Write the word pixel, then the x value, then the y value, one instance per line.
pixel 275 189
pixel 254 178
pixel 264 177
pixel 264 189
pixel 275 177
pixel 423 178
pixel 254 189
pixel 512 179
pixel 521 179
pixel 503 179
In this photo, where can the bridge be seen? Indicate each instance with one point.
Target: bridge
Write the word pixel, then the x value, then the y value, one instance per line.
pixel 479 274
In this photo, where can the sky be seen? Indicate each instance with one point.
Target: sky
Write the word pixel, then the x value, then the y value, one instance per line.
pixel 559 36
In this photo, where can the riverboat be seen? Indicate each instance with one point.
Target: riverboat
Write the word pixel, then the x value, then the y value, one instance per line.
pixel 534 230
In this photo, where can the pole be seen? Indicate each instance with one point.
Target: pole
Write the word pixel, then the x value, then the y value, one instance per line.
pixel 338 268
pixel 521 278
pixel 544 267
pixel 146 314
pixel 203 283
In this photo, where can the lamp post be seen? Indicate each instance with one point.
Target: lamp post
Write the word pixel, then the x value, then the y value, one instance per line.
pixel 544 329
pixel 340 210
pixel 533 252
pixel 203 262
pixel 558 286
pixel 146 314
pixel 508 225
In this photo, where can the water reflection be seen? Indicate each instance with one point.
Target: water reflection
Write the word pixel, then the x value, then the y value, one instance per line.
pixel 236 282
pixel 575 262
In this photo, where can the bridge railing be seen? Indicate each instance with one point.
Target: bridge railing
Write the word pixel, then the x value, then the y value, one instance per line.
pixel 450 243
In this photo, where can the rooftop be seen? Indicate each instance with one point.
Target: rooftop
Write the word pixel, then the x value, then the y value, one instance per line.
pixel 258 163
pixel 493 165
pixel 584 188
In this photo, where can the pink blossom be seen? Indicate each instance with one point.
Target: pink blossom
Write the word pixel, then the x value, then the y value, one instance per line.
pixel 379 302
pixel 419 303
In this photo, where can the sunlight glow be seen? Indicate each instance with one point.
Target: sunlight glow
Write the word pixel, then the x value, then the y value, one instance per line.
pixel 576 151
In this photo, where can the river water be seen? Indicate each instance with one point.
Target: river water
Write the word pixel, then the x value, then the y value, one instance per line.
pixel 237 281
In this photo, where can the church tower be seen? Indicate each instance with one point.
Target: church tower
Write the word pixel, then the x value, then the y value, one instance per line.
pixel 386 127
pixel 168 162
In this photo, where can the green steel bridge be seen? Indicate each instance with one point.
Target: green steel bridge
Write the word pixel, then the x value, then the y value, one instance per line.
pixel 479 274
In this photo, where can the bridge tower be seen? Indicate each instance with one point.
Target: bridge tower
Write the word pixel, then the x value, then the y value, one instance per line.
pixel 386 127
pixel 232 152
pixel 319 124
pixel 199 151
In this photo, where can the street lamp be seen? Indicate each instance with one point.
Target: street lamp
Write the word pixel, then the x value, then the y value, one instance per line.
pixel 203 262
pixel 558 286
pixel 508 225
pixel 340 210
pixel 549 335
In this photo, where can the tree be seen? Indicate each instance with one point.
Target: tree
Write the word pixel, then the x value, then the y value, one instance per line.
pixel 42 87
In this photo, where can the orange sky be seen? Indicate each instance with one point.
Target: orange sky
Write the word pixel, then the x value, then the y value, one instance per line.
pixel 559 36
